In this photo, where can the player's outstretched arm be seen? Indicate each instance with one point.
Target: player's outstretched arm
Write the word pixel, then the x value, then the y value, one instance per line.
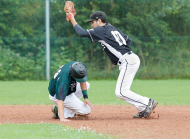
pixel 60 106
pixel 80 31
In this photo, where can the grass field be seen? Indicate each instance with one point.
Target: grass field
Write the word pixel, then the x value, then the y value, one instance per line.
pixel 166 92
pixel 46 131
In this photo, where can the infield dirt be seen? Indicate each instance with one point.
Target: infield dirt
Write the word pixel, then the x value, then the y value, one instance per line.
pixel 166 122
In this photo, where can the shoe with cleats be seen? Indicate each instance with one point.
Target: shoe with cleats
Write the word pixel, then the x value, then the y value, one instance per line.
pixel 139 114
pixel 149 109
pixel 55 112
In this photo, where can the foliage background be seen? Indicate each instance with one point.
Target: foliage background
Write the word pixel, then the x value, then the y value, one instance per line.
pixel 159 30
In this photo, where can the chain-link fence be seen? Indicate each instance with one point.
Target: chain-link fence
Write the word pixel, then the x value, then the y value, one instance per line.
pixel 159 30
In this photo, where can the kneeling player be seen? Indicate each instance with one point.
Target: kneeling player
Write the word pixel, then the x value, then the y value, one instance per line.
pixel 66 88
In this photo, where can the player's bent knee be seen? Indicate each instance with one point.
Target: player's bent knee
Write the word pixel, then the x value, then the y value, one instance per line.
pixel 85 111
pixel 117 93
pixel 122 93
pixel 120 96
pixel 88 110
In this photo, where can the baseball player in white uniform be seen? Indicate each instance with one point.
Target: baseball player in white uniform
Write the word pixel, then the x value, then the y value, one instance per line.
pixel 116 45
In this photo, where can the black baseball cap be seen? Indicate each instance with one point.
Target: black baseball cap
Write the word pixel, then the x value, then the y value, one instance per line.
pixel 97 15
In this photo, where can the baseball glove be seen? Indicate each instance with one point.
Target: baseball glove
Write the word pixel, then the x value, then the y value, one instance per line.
pixel 69 9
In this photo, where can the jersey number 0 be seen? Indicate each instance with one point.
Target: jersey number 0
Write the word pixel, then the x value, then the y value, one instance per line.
pixel 118 38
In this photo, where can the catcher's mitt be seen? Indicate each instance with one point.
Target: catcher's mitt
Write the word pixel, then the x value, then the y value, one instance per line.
pixel 69 9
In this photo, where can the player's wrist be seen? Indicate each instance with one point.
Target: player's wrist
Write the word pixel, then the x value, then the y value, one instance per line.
pixel 61 117
pixel 85 95
pixel 73 21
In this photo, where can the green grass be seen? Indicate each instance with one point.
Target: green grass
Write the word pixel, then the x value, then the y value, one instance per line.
pixel 166 92
pixel 47 131
pixel 24 92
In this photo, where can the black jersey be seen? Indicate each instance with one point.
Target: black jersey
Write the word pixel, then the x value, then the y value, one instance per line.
pixel 114 42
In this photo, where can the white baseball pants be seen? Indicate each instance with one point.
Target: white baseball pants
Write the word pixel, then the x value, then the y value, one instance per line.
pixel 72 103
pixel 128 66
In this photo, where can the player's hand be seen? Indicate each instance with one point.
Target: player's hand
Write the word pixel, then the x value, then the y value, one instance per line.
pixel 69 17
pixel 86 101
pixel 64 120
pixel 70 10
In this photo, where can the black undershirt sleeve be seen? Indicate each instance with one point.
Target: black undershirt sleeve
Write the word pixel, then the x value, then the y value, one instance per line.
pixel 80 31
pixel 61 95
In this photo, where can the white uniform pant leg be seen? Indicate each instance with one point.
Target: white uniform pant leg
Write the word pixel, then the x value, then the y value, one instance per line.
pixel 128 69
pixel 68 112
pixel 78 92
pixel 72 104
pixel 53 99
pixel 75 106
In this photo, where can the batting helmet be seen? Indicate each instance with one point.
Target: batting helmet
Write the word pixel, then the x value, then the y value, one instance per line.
pixel 78 72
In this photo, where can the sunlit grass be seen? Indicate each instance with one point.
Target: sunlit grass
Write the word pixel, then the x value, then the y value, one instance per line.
pixel 47 131
pixel 101 92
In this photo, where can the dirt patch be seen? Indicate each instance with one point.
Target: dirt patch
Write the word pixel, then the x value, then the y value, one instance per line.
pixel 165 122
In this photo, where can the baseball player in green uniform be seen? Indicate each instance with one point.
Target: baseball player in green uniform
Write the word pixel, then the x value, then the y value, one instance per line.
pixel 65 90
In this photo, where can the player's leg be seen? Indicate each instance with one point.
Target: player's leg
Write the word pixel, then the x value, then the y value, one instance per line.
pixel 128 69
pixel 72 106
pixel 75 106
pixel 68 113
pixel 54 107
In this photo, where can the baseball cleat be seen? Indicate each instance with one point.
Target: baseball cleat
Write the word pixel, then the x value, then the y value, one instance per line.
pixel 139 114
pixel 149 109
pixel 55 112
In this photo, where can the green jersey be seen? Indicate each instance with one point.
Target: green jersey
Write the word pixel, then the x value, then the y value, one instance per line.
pixel 62 84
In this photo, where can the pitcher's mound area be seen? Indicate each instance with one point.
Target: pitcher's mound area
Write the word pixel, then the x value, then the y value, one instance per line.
pixel 165 123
